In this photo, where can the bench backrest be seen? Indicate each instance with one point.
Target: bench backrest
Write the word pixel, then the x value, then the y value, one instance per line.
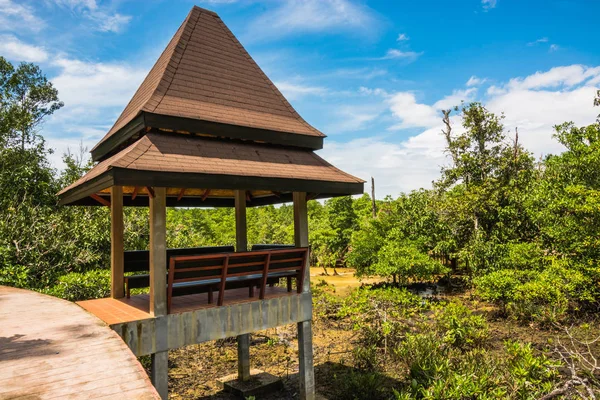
pixel 139 260
pixel 260 247
pixel 220 267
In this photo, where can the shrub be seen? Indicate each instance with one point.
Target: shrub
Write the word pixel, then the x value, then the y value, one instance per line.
pixel 440 371
pixel 406 261
pixel 460 327
pixel 500 287
pixel 82 286
pixel 544 296
pixel 357 385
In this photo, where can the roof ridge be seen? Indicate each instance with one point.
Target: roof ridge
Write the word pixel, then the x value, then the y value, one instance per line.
pixel 137 144
pixel 193 14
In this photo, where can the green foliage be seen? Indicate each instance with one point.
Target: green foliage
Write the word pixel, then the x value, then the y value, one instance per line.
pixel 82 286
pixel 26 98
pixel 544 296
pixel 406 261
pixel 463 329
pixel 443 363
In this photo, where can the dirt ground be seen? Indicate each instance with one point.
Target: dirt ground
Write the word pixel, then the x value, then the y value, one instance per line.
pixel 193 370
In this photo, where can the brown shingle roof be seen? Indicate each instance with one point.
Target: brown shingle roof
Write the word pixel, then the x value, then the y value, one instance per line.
pixel 158 152
pixel 205 73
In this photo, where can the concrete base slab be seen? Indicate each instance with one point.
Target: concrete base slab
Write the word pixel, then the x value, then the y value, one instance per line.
pixel 260 382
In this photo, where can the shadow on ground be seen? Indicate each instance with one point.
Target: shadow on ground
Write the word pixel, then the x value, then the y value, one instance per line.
pixel 15 347
pixel 333 381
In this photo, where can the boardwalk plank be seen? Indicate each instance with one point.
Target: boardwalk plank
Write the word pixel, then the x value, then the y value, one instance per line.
pixel 51 348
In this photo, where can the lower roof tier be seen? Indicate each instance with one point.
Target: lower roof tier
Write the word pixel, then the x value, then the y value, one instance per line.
pixel 206 171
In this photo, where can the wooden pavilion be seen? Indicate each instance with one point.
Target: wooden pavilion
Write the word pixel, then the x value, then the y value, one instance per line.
pixel 207 128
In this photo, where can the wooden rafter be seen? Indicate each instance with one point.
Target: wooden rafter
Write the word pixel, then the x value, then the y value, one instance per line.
pixel 181 193
pixel 100 200
pixel 150 191
pixel 312 196
pixel 276 194
pixel 205 194
pixel 135 193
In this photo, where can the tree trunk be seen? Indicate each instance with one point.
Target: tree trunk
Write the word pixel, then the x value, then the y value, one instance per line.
pixel 373 203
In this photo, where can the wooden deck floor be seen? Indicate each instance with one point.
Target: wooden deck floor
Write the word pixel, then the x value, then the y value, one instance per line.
pixel 51 348
pixel 116 311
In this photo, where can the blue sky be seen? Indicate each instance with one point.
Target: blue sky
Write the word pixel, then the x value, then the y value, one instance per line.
pixel 372 75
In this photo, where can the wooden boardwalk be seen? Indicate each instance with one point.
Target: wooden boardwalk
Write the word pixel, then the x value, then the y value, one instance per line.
pixel 51 348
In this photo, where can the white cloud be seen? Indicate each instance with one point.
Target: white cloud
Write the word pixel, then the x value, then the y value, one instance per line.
pixel 567 76
pixel 373 91
pixel 553 47
pixel 404 106
pixel 533 104
pixel 396 167
pixel 488 4
pixel 535 112
pixel 98 85
pixel 14 49
pixel 455 99
pixel 293 91
pixel 402 37
pixel 18 16
pixel 540 40
pixel 475 81
pixel 395 54
pixel 104 19
pixel 353 118
pixel 309 16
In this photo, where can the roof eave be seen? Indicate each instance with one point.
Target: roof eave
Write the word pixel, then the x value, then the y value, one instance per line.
pixel 145 120
pixel 85 189
pixel 127 177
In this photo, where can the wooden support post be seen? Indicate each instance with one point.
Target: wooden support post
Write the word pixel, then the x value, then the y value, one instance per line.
pixel 241 244
pixel 241 233
pixel 116 243
pixel 158 281
pixel 159 373
pixel 158 252
pixel 305 347
pixel 301 232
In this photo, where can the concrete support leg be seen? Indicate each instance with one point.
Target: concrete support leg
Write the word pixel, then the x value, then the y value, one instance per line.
pixel 305 353
pixel 243 342
pixel 160 373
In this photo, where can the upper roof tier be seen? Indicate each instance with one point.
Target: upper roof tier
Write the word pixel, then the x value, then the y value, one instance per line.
pixel 205 82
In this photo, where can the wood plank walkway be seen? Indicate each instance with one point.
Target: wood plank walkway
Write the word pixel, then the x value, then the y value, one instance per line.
pixel 52 348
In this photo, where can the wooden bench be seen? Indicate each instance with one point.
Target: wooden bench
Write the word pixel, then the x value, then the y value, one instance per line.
pixel 222 271
pixel 138 261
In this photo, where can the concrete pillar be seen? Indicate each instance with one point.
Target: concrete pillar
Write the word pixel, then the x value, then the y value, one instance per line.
pixel 305 348
pixel 116 243
pixel 159 374
pixel 241 244
pixel 158 253
pixel 158 283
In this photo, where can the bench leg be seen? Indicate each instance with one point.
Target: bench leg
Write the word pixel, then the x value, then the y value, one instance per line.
pixel 210 295
pixel 289 283
pixel 272 284
pixel 128 292
pixel 251 290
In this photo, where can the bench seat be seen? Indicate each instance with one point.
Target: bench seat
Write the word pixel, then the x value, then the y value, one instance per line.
pixel 223 271
pixel 139 261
